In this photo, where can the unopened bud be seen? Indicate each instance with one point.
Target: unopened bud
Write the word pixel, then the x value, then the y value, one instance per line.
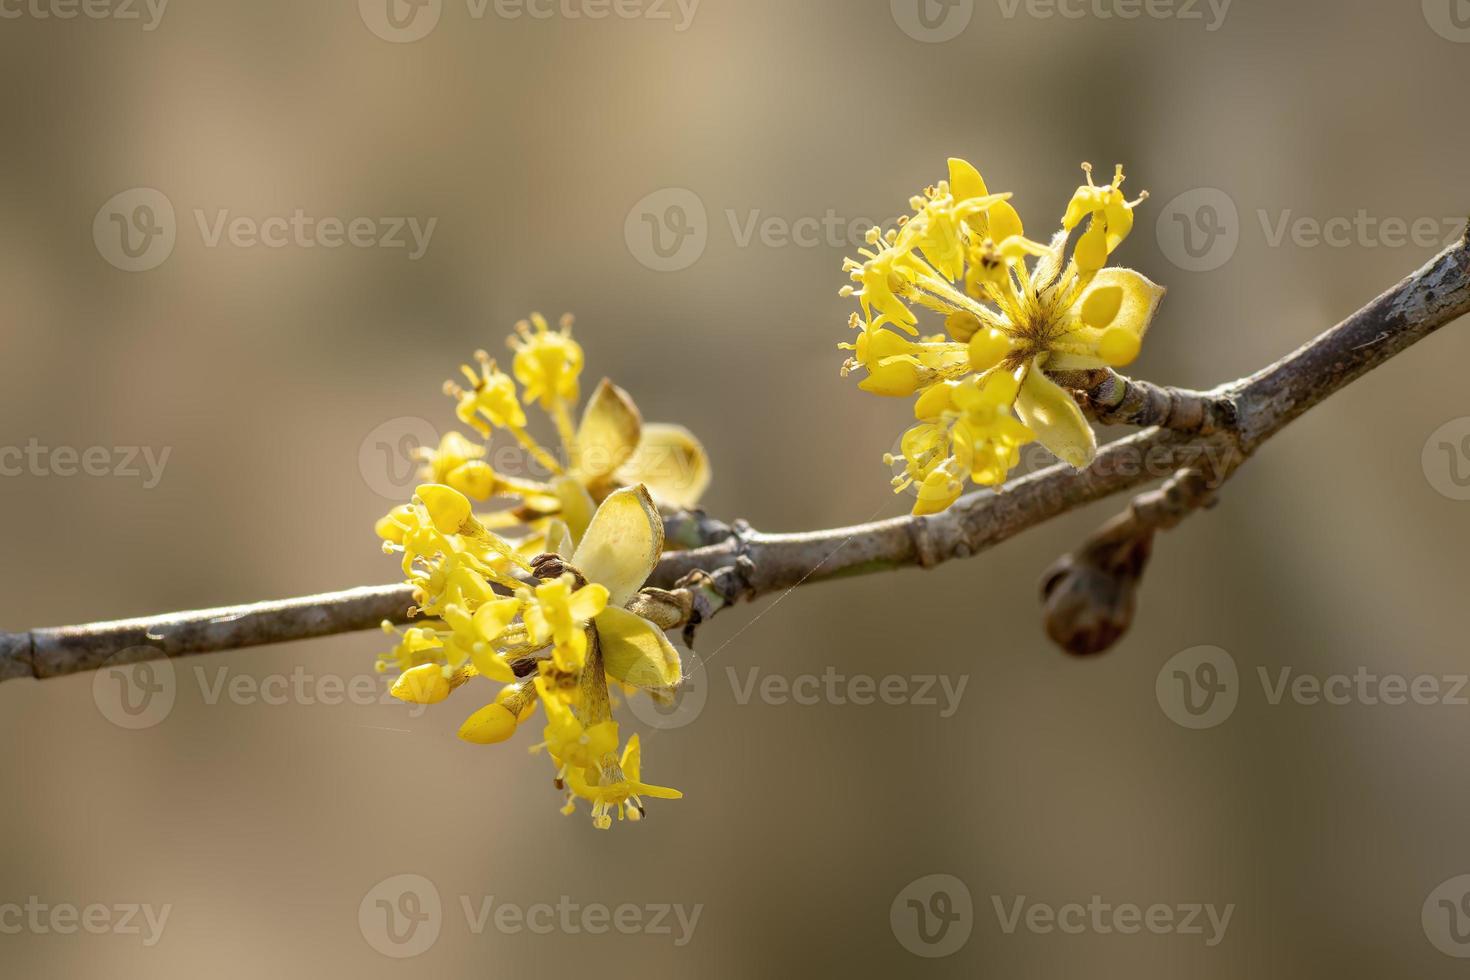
pixel 1090 597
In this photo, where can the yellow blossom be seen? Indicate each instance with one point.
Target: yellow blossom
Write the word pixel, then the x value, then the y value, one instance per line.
pixel 548 363
pixel 617 787
pixel 560 616
pixel 561 642
pixel 1022 311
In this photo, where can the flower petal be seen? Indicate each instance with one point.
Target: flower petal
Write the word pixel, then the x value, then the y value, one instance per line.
pixel 1139 300
pixel 588 601
pixel 492 618
pixel 558 538
pixel 636 651
pixel 609 432
pixel 965 181
pixel 1005 223
pixel 632 766
pixel 1074 362
pixel 671 462
pixel 1052 413
pixel 622 544
pixel 491 664
pixel 576 506
pixel 448 508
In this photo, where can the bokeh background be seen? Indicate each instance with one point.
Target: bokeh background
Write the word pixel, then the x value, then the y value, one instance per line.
pixel 272 377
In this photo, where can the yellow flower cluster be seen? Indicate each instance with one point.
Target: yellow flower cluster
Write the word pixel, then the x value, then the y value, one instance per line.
pixel 611 447
pixel 558 630
pixel 558 641
pixel 1014 311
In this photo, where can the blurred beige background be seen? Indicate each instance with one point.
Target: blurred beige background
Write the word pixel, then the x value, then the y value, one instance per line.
pixel 533 142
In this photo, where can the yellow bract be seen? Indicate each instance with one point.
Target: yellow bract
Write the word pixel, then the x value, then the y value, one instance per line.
pixel 1014 310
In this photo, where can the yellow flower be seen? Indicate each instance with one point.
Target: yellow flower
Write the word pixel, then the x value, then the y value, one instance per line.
pixel 899 367
pixel 560 615
pixel 490 401
pixel 497 721
pixel 417 646
pixel 547 362
pixel 617 787
pixel 574 632
pixel 571 744
pixel 612 446
pixel 493 607
pixel 459 463
pixel 984 389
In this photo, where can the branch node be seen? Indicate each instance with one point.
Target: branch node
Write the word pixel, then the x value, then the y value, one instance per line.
pixel 926 552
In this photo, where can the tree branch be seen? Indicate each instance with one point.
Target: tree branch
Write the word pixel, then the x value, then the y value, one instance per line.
pixel 1199 440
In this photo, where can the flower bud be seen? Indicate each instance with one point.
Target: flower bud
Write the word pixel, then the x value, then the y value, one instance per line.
pixel 492 723
pixel 448 508
pixel 1090 597
pixel 424 684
